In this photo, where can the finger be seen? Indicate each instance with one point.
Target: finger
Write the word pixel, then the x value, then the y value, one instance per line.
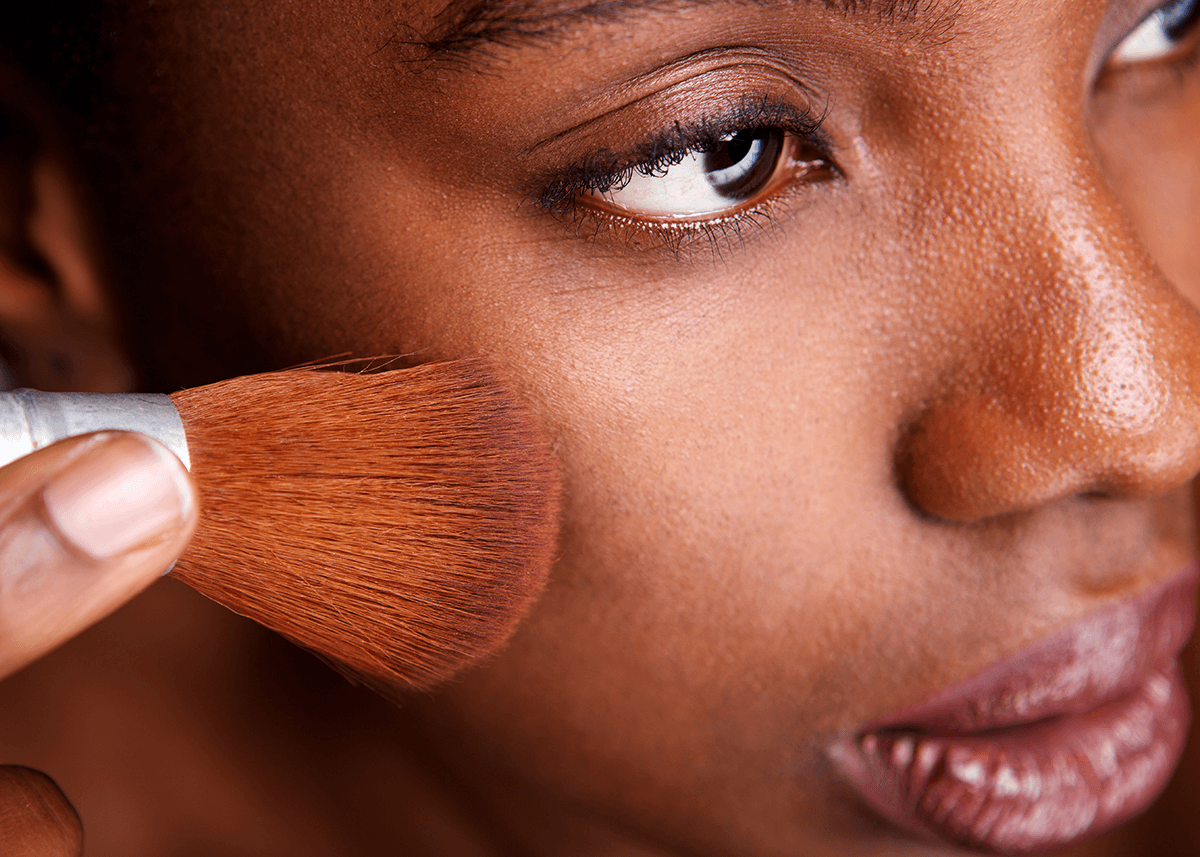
pixel 85 525
pixel 36 819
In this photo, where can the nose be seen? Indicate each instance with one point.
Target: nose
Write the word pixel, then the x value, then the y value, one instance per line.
pixel 1074 370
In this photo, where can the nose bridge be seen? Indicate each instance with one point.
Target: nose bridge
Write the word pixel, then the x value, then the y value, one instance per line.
pixel 1076 370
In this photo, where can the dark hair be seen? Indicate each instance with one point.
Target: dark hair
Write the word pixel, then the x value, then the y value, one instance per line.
pixel 60 46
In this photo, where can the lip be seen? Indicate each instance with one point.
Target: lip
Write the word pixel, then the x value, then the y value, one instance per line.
pixel 1054 744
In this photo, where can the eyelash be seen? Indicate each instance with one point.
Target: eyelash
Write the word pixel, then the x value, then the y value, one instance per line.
pixel 604 170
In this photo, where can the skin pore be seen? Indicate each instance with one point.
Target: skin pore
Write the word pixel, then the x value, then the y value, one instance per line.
pixel 890 422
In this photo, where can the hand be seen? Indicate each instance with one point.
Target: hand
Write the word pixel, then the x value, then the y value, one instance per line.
pixel 85 524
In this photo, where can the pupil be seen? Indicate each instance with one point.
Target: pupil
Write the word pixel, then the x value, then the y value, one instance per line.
pixel 738 148
pixel 740 166
pixel 733 151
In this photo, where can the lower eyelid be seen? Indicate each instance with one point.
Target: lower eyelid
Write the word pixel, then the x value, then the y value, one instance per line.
pixel 682 240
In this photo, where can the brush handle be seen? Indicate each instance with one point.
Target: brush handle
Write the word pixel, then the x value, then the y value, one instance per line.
pixel 30 419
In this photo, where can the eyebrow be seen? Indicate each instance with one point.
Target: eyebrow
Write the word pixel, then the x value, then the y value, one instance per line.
pixel 466 29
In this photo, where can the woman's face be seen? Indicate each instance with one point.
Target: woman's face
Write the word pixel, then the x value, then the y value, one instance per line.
pixel 908 387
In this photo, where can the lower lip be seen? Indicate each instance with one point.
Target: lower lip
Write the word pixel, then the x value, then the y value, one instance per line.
pixel 1031 787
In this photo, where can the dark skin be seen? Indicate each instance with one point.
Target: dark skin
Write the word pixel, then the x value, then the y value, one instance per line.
pixel 946 403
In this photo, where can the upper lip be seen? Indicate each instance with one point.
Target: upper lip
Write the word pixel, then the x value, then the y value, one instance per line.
pixel 1077 669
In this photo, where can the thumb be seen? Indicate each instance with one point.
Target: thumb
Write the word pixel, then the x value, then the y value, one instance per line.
pixel 36 820
pixel 85 524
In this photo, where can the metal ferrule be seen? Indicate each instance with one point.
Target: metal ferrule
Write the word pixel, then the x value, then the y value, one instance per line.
pixel 30 419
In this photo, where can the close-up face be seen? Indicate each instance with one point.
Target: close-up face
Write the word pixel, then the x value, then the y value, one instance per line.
pixel 863 333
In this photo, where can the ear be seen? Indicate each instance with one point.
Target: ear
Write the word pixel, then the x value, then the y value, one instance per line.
pixel 57 328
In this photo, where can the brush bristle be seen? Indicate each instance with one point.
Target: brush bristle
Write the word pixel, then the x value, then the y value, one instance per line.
pixel 398 524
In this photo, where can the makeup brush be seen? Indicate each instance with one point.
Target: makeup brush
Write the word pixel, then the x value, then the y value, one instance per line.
pixel 398 524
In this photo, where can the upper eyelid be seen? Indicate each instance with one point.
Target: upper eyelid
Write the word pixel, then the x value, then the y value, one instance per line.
pixel 740 62
pixel 576 180
pixel 701 84
pixel 709 129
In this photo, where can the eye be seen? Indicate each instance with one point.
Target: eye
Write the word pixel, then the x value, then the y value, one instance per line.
pixel 733 173
pixel 1160 35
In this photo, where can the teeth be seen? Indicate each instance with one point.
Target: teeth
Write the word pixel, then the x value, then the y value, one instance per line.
pixel 968 766
pixel 1016 787
pixel 926 762
pixel 1006 783
pixel 1035 788
pixel 902 751
pixel 971 770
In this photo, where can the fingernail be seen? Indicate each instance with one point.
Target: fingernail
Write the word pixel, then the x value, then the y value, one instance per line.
pixel 123 492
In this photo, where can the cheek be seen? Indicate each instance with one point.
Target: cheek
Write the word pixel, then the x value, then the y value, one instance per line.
pixel 732 533
pixel 725 460
pixel 1147 144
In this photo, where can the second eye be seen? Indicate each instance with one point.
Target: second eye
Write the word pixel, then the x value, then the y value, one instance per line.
pixel 734 173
